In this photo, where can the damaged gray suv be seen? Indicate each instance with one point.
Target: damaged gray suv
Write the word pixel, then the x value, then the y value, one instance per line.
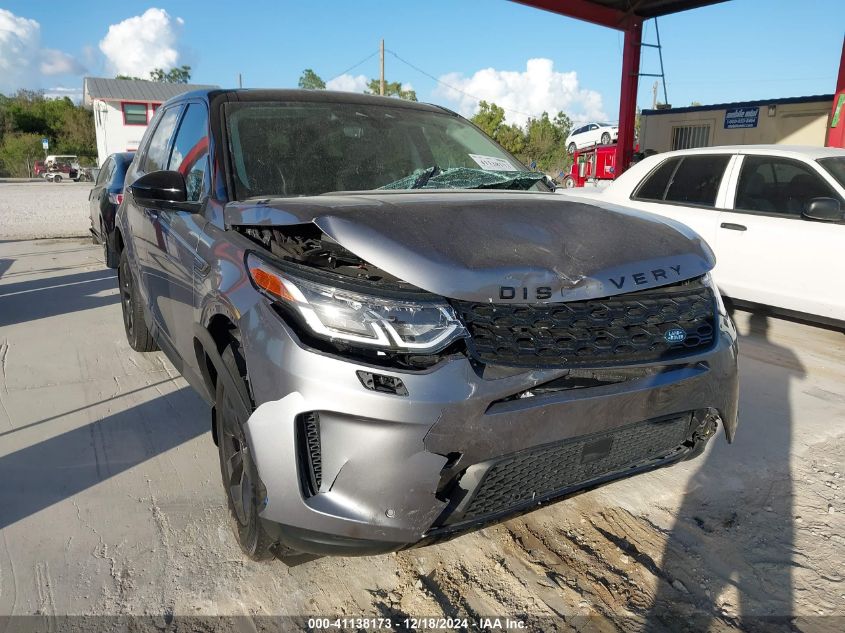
pixel 402 333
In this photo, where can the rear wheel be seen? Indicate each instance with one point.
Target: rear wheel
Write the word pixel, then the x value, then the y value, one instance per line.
pixel 137 332
pixel 605 139
pixel 568 182
pixel 571 148
pixel 239 472
pixel 57 178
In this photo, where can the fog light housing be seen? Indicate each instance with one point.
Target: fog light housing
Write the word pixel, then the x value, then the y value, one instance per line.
pixel 382 383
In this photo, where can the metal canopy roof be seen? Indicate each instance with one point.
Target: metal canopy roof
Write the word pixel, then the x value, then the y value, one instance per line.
pixel 133 89
pixel 617 14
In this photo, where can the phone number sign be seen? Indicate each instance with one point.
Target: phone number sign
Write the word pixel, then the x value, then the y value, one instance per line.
pixel 741 117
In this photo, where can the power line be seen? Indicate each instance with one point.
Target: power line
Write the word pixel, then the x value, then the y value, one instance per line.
pixel 354 66
pixel 443 83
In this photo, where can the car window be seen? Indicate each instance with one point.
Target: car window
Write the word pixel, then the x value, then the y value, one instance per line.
pixel 156 157
pixel 594 127
pixel 118 174
pixel 190 149
pixel 835 166
pixel 696 180
pixel 655 184
pixel 771 184
pixel 105 171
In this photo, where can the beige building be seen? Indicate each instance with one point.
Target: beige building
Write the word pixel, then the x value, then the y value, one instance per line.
pixel 792 121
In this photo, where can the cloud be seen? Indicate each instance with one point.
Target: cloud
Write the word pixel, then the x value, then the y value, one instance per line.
pixel 23 63
pixel 55 62
pixel 537 89
pixel 142 43
pixel 348 83
pixel 59 92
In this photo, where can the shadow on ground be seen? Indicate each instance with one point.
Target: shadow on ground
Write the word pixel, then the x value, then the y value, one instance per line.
pixel 740 492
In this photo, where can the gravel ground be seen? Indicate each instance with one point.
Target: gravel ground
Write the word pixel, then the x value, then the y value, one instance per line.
pixel 112 505
pixel 31 210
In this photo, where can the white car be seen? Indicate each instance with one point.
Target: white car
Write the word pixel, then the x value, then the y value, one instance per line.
pixel 773 214
pixel 591 134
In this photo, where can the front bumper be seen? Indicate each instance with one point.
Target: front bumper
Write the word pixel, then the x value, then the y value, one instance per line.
pixel 399 470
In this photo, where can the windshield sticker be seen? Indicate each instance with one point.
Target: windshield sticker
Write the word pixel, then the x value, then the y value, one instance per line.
pixel 492 163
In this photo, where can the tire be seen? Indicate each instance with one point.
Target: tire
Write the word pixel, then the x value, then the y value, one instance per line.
pixel 568 182
pixel 137 332
pixel 57 178
pixel 571 149
pixel 605 139
pixel 237 469
pixel 110 257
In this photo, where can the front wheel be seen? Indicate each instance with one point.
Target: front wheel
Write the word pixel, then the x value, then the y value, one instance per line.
pixel 137 332
pixel 571 148
pixel 568 182
pixel 605 139
pixel 239 472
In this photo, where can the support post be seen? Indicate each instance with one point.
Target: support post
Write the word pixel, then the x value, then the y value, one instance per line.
pixel 835 136
pixel 381 76
pixel 628 94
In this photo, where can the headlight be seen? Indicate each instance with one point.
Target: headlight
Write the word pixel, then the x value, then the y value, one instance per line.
pixel 707 280
pixel 337 314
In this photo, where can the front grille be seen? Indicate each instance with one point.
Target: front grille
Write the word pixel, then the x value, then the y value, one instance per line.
pixel 310 453
pixel 540 472
pixel 624 329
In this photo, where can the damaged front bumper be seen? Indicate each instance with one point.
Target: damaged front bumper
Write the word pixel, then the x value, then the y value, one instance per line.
pixel 351 470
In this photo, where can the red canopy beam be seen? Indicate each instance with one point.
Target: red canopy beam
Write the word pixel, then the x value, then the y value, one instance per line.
pixel 585 10
pixel 628 95
pixel 836 121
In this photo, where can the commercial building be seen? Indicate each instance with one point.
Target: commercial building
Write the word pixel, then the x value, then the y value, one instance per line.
pixel 790 121
pixel 123 108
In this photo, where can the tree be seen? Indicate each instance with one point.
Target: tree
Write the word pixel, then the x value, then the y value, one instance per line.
pixel 512 138
pixel 391 89
pixel 489 118
pixel 19 152
pixel 544 143
pixel 309 80
pixel 29 115
pixel 177 75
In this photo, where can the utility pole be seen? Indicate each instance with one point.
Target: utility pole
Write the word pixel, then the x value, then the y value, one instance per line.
pixel 381 80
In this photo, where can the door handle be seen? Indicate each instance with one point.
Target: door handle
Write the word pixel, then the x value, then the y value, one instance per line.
pixel 734 227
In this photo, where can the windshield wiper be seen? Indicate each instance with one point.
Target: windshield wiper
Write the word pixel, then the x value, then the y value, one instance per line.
pixel 423 178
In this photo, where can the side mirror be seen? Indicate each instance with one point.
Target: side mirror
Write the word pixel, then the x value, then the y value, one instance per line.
pixel 160 190
pixel 824 210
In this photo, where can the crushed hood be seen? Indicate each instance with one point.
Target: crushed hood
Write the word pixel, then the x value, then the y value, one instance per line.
pixel 496 246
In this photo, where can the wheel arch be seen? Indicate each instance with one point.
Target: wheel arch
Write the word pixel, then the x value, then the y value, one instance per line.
pixel 210 340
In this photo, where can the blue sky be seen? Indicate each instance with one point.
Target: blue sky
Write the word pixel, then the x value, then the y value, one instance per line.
pixel 739 50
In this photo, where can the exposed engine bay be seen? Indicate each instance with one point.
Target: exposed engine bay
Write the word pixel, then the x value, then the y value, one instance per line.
pixel 306 244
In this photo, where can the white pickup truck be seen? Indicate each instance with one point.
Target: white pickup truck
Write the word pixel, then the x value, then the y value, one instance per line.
pixel 773 214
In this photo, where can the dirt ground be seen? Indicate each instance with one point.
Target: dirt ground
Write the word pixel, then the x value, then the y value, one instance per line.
pixel 111 502
pixel 30 210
